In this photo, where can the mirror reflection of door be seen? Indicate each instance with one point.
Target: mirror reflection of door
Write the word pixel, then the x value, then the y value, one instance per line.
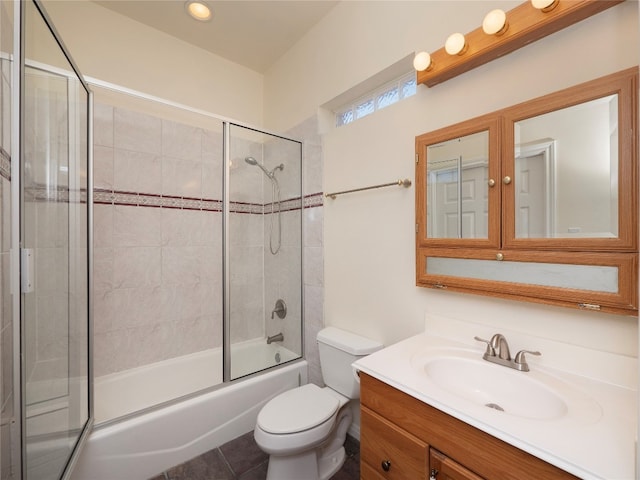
pixel 457 186
pixel 583 202
pixel 535 184
pixel 460 207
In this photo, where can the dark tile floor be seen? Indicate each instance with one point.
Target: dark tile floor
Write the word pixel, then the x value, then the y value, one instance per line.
pixel 242 459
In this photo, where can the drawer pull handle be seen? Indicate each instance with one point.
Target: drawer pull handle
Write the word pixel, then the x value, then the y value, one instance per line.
pixel 433 474
pixel 386 465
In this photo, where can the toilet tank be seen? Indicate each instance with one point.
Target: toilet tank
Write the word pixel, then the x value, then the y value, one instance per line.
pixel 338 350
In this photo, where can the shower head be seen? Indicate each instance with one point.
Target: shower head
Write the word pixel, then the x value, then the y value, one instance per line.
pixel 253 161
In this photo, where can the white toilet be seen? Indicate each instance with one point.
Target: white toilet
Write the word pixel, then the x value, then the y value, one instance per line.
pixel 303 430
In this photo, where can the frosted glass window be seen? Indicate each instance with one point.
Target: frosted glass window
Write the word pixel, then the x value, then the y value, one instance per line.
pixel 365 108
pixel 582 277
pixel 377 99
pixel 344 117
pixel 387 98
pixel 409 87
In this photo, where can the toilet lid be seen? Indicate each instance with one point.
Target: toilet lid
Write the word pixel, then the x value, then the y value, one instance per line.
pixel 297 410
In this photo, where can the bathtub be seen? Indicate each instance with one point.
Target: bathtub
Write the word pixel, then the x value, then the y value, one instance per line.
pixel 143 445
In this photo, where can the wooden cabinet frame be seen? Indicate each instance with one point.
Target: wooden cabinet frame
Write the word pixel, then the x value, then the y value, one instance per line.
pixel 620 252
pixel 623 301
pixel 491 123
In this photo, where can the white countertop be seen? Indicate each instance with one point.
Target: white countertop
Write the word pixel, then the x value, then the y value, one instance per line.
pixel 597 444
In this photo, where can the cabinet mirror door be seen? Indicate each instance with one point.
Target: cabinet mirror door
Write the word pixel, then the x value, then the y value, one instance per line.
pixel 571 158
pixel 456 177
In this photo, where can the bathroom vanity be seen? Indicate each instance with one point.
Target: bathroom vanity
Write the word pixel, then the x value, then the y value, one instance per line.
pixel 425 413
pixel 402 437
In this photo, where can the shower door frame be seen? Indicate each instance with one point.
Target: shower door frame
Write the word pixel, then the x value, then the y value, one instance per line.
pixel 226 245
pixel 16 275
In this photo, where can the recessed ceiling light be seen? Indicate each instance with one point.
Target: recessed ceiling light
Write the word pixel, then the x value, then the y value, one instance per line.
pixel 198 10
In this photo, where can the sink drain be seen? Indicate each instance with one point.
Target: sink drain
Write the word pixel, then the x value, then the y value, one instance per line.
pixel 495 406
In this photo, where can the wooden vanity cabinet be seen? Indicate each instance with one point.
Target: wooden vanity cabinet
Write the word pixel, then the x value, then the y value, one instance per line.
pixel 415 438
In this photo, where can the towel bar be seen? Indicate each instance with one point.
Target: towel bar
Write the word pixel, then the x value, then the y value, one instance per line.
pixel 402 183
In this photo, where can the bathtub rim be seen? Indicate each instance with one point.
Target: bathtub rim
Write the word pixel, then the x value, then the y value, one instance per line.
pixel 189 396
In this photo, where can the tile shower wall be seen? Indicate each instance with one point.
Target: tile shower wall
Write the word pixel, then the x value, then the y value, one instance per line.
pixel 246 249
pixel 312 241
pixel 157 239
pixel 282 272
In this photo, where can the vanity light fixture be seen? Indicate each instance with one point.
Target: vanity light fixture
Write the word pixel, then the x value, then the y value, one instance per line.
pixel 545 5
pixel 495 22
pixel 528 22
pixel 199 10
pixel 422 62
pixel 456 44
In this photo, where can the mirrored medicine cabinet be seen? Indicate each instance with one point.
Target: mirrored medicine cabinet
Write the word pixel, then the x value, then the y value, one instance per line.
pixel 536 202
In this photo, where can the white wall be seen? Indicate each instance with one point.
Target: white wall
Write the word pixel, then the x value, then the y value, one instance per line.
pixel 113 48
pixel 368 237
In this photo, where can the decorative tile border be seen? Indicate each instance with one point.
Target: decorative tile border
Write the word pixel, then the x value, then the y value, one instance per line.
pixel 314 200
pixel 135 199
pixel 5 164
pixel 39 193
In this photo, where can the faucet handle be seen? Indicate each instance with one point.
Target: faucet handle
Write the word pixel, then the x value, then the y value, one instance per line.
pixel 520 361
pixel 490 351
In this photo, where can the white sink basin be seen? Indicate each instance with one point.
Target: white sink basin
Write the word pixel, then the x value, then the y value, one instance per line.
pixel 531 395
pixel 509 391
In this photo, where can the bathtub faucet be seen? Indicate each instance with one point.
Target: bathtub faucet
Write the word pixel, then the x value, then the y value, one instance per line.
pixel 280 309
pixel 278 337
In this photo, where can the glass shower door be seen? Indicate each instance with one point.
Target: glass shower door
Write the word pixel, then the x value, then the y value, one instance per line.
pixel 54 260
pixel 263 251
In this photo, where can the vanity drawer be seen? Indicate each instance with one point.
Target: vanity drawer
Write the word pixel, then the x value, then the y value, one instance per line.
pixel 442 467
pixel 389 451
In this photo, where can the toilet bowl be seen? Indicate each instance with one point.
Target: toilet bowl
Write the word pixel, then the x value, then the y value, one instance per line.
pixel 303 430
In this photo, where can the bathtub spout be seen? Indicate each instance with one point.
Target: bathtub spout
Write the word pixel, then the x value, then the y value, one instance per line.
pixel 278 337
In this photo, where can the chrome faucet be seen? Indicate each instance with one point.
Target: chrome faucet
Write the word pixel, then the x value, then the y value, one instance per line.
pixel 500 346
pixel 280 309
pixel 278 337
pixel 498 352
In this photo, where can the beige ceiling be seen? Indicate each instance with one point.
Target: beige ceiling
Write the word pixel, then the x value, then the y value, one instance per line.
pixel 253 33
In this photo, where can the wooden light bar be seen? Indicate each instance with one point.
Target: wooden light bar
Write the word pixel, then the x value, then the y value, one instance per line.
pixel 526 24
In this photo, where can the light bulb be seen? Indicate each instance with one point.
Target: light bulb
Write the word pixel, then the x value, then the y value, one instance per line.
pixel 198 10
pixel 455 44
pixel 422 62
pixel 544 5
pixel 495 22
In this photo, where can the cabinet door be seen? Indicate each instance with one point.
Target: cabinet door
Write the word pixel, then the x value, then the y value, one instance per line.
pixel 388 452
pixel 571 158
pixel 457 185
pixel 442 467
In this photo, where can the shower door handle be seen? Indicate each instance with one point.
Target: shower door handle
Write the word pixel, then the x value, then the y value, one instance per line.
pixel 27 270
